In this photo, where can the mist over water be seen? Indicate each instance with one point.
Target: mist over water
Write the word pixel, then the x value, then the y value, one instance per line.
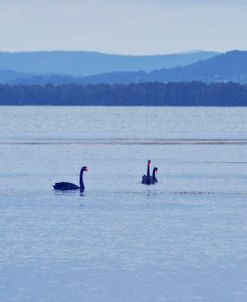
pixel 183 239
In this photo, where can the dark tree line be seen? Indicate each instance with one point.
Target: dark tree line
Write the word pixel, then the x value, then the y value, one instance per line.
pixel 143 94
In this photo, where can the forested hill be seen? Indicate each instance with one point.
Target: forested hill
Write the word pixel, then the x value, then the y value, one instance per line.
pixel 145 94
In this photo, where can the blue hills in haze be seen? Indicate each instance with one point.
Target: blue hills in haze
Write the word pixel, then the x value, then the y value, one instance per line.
pixel 39 68
pixel 81 63
pixel 231 66
pixel 206 82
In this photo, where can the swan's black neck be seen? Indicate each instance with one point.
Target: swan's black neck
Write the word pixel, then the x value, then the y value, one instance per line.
pixel 148 170
pixel 148 180
pixel 153 172
pixel 81 181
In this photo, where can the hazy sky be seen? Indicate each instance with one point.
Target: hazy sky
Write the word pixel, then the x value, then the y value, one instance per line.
pixel 124 27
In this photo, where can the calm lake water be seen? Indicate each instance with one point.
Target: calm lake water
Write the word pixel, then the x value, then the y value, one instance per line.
pixel 183 239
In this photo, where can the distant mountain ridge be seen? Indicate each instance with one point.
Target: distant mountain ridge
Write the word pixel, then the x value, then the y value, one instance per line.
pixel 228 67
pixel 231 66
pixel 82 63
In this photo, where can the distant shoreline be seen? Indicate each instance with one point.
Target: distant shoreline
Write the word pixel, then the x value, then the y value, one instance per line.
pixel 144 94
pixel 158 106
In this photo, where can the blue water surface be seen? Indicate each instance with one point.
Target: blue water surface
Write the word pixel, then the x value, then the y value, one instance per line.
pixel 183 239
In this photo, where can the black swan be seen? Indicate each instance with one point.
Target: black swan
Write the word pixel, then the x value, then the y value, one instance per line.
pixel 147 179
pixel 65 186
pixel 154 178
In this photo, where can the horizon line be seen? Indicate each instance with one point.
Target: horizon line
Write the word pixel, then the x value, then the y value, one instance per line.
pixel 185 52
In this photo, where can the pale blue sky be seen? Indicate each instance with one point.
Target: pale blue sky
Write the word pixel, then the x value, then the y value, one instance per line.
pixel 123 27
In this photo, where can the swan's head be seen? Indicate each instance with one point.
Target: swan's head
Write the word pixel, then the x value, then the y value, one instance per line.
pixel 149 162
pixel 84 168
pixel 155 170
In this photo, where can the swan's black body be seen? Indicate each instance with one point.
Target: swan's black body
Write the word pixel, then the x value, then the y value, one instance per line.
pixel 148 179
pixel 66 186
